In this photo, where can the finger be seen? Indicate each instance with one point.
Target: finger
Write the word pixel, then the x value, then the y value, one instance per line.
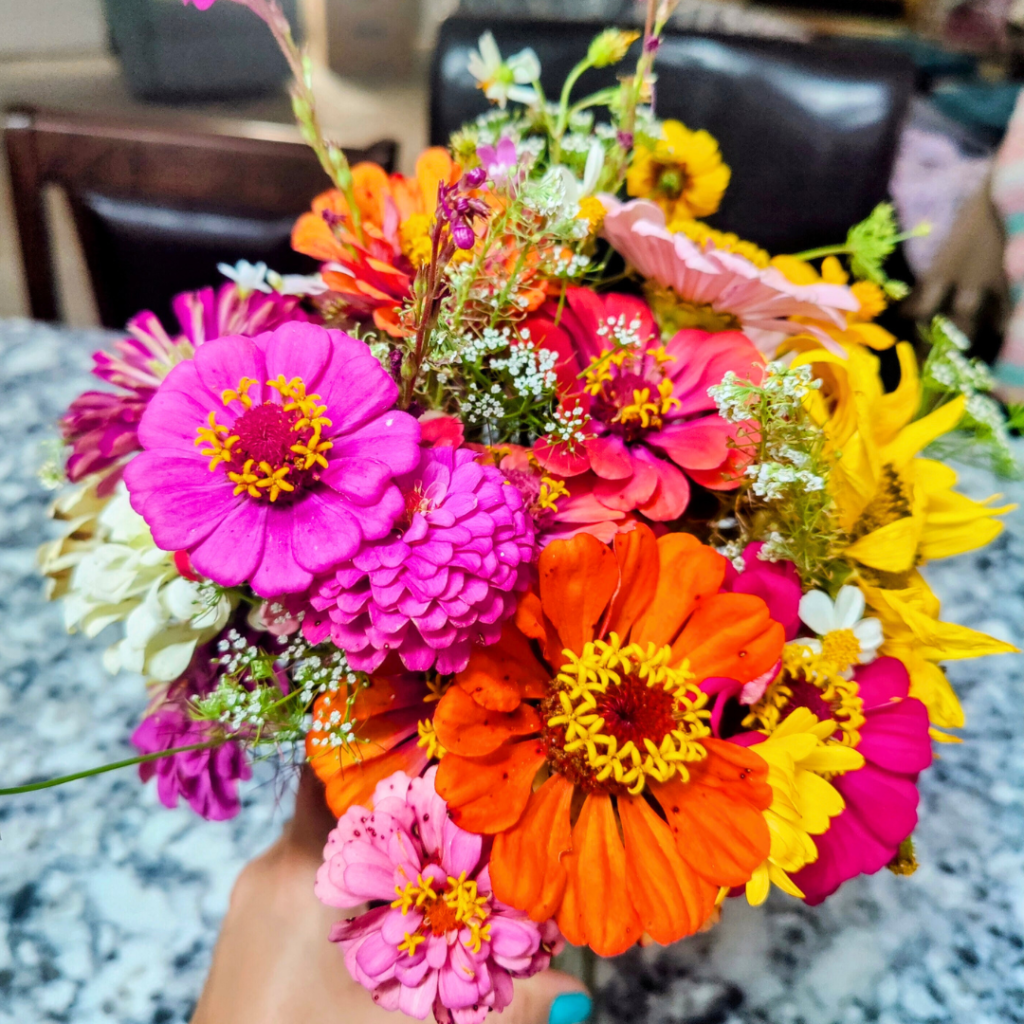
pixel 551 997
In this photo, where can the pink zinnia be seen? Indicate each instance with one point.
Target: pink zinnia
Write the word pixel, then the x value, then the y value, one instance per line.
pixel 102 426
pixel 636 411
pixel 762 301
pixel 444 579
pixel 445 944
pixel 272 459
pixel 881 798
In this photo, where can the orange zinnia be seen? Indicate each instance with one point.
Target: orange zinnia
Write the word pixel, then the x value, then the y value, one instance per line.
pixel 360 737
pixel 374 277
pixel 613 807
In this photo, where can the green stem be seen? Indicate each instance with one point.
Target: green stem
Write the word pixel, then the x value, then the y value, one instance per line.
pixel 563 105
pixel 142 759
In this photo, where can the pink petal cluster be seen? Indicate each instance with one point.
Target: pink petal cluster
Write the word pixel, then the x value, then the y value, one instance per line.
pixel 881 798
pixel 778 585
pixel 402 951
pixel 207 779
pixel 445 578
pixel 102 426
pixel 762 300
pixel 641 463
pixel 233 536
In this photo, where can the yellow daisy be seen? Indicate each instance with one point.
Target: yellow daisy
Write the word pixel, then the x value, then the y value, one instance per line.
pixel 803 802
pixel 683 173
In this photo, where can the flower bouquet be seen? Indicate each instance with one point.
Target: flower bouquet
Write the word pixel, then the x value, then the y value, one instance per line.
pixel 574 544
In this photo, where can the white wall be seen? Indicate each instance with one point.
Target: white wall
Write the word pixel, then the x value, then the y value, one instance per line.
pixel 37 27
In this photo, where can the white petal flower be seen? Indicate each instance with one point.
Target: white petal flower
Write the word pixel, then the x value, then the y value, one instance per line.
pixel 249 277
pixel 500 80
pixel 126 578
pixel 843 634
pixel 296 284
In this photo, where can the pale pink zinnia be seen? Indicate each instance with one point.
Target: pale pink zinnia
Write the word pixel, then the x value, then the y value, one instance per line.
pixel 271 459
pixel 636 411
pixel 761 300
pixel 444 579
pixel 435 939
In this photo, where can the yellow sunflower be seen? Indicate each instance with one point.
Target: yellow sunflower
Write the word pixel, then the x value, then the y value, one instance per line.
pixel 683 173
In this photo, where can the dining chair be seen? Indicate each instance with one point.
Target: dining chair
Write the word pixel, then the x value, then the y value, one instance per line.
pixel 158 202
pixel 810 130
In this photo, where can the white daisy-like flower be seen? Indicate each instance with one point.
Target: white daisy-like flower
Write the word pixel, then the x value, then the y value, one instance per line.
pixel 845 636
pixel 296 284
pixel 248 277
pixel 501 80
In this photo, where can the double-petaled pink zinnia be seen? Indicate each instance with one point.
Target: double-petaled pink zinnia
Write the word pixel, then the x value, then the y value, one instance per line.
pixel 271 459
pixel 636 411
pixel 445 578
pixel 435 937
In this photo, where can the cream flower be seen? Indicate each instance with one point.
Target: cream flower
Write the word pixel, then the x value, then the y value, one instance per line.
pixel 844 635
pixel 501 80
pixel 126 578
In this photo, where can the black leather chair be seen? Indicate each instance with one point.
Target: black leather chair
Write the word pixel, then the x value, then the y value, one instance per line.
pixel 159 202
pixel 810 130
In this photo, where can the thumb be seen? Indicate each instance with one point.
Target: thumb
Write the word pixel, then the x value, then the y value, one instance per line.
pixel 551 997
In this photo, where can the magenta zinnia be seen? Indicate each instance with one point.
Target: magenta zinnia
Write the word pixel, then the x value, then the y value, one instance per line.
pixel 272 459
pixel 444 579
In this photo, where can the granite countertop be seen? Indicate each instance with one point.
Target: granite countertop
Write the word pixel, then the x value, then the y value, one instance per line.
pixel 109 903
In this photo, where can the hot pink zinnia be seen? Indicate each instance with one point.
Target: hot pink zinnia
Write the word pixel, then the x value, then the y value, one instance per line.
pixel 761 300
pixel 102 426
pixel 445 578
pixel 271 459
pixel 445 944
pixel 637 411
pixel 881 798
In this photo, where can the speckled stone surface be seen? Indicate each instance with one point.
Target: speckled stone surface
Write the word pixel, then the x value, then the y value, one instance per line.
pixel 109 903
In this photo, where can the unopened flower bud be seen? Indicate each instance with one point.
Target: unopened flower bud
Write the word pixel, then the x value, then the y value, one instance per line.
pixel 474 178
pixel 610 46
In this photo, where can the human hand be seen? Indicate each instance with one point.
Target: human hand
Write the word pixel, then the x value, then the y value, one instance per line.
pixel 273 963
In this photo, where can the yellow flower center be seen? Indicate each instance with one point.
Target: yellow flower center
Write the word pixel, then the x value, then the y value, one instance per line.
pixel 840 647
pixel 272 449
pixel 550 491
pixel 814 681
pixel 428 740
pixel 621 715
pixel 459 906
pixel 674 313
pixel 593 212
pixel 414 238
pixel 631 391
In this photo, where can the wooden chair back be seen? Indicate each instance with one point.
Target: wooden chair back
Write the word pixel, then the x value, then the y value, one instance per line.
pixel 158 203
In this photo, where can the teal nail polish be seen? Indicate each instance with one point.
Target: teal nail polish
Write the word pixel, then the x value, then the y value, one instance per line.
pixel 570 1008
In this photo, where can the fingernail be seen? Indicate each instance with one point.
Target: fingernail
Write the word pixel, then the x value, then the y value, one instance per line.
pixel 570 1008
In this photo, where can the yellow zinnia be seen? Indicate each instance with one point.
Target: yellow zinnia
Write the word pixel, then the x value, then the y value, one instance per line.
pixel 803 803
pixel 683 173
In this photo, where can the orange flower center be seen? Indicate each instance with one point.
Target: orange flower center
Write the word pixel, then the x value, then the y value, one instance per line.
pixel 459 906
pixel 273 450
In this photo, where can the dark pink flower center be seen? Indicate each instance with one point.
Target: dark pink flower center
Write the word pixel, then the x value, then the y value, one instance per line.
pixel 631 393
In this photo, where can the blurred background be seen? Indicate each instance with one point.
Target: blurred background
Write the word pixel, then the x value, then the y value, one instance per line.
pixel 114 109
